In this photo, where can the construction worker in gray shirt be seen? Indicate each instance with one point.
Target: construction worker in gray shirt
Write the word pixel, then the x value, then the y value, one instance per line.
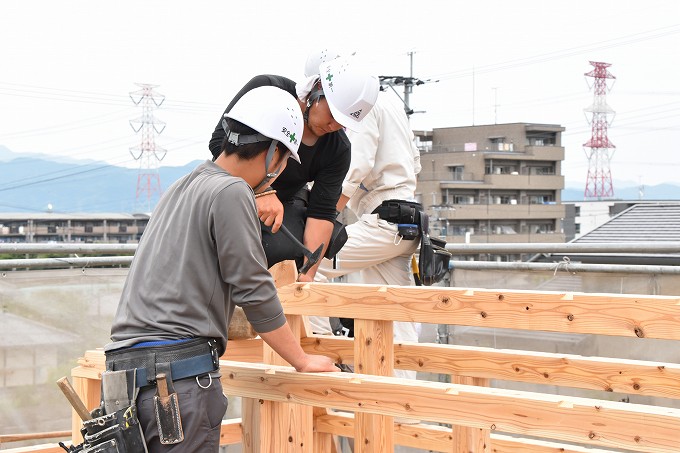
pixel 201 256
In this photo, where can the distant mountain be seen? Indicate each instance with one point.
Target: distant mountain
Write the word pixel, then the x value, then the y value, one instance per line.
pixel 30 184
pixel 7 155
pixel 630 193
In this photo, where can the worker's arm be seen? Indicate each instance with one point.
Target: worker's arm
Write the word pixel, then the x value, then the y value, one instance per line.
pixel 317 231
pixel 285 344
pixel 342 202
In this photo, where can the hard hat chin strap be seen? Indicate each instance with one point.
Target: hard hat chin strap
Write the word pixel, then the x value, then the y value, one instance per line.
pixel 314 95
pixel 267 161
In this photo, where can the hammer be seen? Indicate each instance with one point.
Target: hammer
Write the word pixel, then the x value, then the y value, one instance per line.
pixel 312 258
pixel 74 399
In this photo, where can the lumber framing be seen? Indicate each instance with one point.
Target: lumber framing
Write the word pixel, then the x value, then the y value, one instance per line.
pixel 572 419
pixel 602 314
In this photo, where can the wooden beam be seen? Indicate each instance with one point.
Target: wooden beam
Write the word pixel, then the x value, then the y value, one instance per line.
pixel 231 431
pixel 45 448
pixel 439 438
pixel 249 350
pixel 634 377
pixel 603 314
pixel 595 422
pixel 7 438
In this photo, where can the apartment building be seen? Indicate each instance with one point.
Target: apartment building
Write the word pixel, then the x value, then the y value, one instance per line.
pixel 86 228
pixel 494 183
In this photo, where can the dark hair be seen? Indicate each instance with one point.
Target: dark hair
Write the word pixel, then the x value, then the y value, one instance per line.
pixel 245 152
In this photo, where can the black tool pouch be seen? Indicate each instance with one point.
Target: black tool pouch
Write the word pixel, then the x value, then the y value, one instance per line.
pixel 119 432
pixel 433 261
pixel 338 239
pixel 115 427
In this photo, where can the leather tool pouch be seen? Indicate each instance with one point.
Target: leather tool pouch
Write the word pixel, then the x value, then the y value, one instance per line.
pixel 166 408
pixel 115 427
pixel 433 261
pixel 118 432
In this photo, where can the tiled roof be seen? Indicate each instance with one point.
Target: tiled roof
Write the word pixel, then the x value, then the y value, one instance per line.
pixel 18 331
pixel 639 223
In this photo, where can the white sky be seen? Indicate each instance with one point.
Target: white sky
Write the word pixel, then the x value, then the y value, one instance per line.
pixel 67 67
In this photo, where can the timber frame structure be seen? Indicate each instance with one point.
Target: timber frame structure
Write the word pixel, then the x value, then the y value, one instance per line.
pixel 286 411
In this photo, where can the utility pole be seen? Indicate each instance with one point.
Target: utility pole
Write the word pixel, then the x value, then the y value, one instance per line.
pixel 495 105
pixel 407 82
pixel 147 153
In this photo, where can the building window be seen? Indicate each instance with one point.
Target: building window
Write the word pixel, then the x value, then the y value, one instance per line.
pixel 541 228
pixel 547 198
pixel 503 229
pixel 456 172
pixel 539 170
pixel 452 196
pixel 492 167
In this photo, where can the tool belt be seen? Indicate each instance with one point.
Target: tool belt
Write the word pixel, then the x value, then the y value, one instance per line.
pixel 187 359
pixel 399 211
pixel 433 260
pixel 131 368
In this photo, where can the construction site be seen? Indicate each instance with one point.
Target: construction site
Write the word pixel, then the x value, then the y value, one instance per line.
pixel 503 365
pixel 529 343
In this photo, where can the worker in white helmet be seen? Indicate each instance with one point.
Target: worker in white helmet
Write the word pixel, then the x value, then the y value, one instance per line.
pixel 316 59
pixel 200 257
pixel 380 190
pixel 337 96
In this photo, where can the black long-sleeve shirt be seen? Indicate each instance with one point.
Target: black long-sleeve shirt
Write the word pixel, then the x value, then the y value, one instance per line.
pixel 325 163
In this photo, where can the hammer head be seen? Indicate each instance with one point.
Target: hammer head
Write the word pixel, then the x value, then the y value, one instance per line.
pixel 312 259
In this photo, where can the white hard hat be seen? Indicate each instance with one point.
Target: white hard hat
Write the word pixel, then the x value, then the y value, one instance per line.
pixel 272 112
pixel 349 89
pixel 315 59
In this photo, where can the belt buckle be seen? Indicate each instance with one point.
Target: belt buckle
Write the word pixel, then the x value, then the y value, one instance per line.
pixel 212 344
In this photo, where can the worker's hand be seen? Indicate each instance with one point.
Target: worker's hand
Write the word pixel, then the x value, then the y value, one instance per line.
pixel 305 277
pixel 317 364
pixel 270 211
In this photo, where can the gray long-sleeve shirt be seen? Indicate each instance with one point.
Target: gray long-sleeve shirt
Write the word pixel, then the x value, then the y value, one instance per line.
pixel 200 255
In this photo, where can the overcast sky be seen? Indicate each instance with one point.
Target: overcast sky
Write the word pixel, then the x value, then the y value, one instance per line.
pixel 67 68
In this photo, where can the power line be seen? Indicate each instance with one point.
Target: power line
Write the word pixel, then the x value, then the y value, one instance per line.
pixel 578 50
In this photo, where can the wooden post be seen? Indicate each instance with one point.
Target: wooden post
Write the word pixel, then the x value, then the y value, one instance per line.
pixel 471 440
pixel 373 354
pixel 89 390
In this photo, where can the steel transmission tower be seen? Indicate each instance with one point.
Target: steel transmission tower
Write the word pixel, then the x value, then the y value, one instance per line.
pixel 147 152
pixel 599 180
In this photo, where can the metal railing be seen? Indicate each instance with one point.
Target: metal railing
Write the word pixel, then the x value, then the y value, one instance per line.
pixel 661 248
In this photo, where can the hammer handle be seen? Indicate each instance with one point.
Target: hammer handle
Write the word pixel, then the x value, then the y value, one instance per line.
pixel 295 240
pixel 74 399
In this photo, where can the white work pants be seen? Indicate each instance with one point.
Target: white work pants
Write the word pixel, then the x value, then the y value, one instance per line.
pixel 374 253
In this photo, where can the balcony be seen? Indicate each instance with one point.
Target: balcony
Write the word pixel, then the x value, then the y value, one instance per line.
pixel 500 211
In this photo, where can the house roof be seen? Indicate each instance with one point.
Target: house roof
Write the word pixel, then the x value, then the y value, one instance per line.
pixel 18 331
pixel 639 223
